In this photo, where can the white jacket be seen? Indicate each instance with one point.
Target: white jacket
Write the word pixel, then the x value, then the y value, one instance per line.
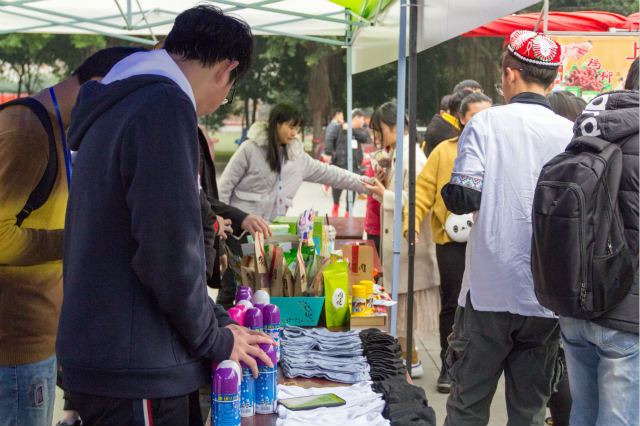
pixel 249 184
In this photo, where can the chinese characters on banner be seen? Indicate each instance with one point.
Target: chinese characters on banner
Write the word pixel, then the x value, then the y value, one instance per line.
pixel 597 64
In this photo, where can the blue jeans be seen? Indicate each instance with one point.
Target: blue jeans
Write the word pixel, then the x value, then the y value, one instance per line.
pixel 27 393
pixel 603 373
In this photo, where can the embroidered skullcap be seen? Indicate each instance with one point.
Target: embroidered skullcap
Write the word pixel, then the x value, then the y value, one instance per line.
pixel 535 48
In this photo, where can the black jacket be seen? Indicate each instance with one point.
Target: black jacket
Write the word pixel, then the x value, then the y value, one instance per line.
pixel 438 130
pixel 212 245
pixel 337 148
pixel 136 319
pixel 617 122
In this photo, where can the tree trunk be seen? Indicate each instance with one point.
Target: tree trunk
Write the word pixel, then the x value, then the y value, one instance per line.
pixel 319 92
pixel 254 110
pixel 245 113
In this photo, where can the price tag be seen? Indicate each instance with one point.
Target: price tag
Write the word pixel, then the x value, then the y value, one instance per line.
pixel 354 144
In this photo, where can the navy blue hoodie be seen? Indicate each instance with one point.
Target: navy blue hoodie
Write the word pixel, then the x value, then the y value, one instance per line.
pixel 136 319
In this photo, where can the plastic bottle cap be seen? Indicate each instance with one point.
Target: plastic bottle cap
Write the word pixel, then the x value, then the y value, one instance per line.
pixel 271 314
pixel 245 288
pixel 253 318
pixel 245 303
pixel 271 352
pixel 226 379
pixel 261 297
pixel 358 290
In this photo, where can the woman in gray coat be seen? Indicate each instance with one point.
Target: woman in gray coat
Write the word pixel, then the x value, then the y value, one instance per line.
pixel 265 173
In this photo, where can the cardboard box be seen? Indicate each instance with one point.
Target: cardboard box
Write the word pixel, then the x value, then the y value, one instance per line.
pixel 369 321
pixel 360 258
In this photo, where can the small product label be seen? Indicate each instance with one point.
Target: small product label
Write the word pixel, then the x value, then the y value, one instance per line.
pixel 339 298
pixel 226 410
pixel 266 390
pixel 247 393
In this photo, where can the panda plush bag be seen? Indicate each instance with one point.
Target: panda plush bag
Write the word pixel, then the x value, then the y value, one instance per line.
pixel 458 226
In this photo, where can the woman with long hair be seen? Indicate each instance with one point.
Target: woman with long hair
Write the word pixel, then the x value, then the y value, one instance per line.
pixel 265 173
pixel 426 298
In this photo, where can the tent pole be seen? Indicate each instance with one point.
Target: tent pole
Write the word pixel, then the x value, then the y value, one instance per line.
pixel 545 24
pixel 397 222
pixel 413 76
pixel 129 21
pixel 348 114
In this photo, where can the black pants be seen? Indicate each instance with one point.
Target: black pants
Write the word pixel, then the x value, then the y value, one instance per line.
pixel 103 411
pixel 486 344
pixel 450 259
pixel 376 242
pixel 336 192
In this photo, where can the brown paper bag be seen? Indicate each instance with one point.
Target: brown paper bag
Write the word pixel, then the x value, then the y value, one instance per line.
pixel 248 276
pixel 316 289
pixel 287 282
pixel 276 258
pixel 360 258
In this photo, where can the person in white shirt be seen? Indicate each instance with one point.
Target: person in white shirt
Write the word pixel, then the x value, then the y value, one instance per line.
pixel 499 324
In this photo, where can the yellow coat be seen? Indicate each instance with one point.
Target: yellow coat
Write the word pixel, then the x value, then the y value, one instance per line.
pixel 435 174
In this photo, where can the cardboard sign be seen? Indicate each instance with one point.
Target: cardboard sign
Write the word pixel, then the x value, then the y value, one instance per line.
pixel 287 282
pixel 360 259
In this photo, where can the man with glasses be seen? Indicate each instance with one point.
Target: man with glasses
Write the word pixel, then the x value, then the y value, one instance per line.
pixel 135 298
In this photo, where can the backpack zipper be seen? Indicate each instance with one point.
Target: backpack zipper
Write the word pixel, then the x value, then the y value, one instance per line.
pixel 583 251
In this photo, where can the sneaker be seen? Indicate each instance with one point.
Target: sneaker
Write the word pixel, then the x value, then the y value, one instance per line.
pixel 443 384
pixel 334 212
pixel 416 369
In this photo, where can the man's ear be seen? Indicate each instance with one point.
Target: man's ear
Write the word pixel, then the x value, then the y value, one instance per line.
pixel 223 76
pixel 510 75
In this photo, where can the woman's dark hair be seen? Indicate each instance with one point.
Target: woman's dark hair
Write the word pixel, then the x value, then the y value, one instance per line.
pixel 281 113
pixel 473 98
pixel 205 34
pixel 456 101
pixel 631 83
pixel 386 113
pixel 529 72
pixel 444 103
pixel 566 104
pixel 100 63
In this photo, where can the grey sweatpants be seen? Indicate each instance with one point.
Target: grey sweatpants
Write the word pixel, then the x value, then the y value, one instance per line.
pixel 483 345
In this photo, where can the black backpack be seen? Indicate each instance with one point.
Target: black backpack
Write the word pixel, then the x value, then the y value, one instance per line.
pixel 41 192
pixel 580 261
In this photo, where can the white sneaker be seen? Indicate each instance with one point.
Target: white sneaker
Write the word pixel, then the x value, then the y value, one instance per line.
pixel 416 369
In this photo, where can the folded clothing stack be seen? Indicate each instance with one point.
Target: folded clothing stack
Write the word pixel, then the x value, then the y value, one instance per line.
pixel 363 407
pixel 406 404
pixel 383 353
pixel 318 352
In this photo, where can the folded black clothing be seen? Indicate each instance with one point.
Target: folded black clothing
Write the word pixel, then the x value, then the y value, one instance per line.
pixel 406 404
pixel 383 353
pixel 396 389
pixel 410 414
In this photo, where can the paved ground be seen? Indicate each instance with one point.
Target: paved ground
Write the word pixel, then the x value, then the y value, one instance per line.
pixel 312 196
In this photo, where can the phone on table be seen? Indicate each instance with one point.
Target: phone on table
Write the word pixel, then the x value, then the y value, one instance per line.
pixel 313 401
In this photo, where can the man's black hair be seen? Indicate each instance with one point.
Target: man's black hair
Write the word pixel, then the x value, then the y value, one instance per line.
pixel 336 111
pixel 467 84
pixel 542 76
pixel 205 34
pixel 101 62
pixel 631 83
pixel 358 113
pixel 456 101
pixel 444 103
pixel 281 113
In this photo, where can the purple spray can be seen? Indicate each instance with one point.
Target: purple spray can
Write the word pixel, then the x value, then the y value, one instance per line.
pixel 225 398
pixel 271 324
pixel 253 319
pixel 266 385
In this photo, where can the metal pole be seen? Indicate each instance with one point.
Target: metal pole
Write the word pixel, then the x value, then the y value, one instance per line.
pixel 397 225
pixel 413 77
pixel 348 114
pixel 545 24
pixel 129 21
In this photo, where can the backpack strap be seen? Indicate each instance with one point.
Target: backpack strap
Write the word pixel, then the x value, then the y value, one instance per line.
pixel 588 143
pixel 41 192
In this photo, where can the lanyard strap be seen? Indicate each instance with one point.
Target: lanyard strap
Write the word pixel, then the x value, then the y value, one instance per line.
pixel 65 149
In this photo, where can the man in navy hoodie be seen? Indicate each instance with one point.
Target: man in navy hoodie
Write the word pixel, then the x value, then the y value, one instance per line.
pixel 135 299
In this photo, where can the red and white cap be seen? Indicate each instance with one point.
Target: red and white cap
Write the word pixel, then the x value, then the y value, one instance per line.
pixel 535 48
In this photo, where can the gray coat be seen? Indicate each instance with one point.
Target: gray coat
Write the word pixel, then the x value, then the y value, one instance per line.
pixel 249 184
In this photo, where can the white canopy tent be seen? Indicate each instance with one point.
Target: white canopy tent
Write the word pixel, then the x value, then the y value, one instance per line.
pixel 380 39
